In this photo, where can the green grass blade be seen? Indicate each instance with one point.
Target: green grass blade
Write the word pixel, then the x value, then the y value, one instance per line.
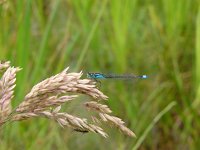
pixel 198 49
pixel 23 47
pixel 197 53
pixel 42 50
pixel 87 43
pixel 152 124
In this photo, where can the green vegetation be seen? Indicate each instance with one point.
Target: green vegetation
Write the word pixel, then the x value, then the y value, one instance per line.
pixel 157 38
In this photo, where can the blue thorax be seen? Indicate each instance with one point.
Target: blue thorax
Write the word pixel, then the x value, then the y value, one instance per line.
pixel 95 75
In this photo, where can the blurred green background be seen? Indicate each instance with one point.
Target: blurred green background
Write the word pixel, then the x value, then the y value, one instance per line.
pixel 157 38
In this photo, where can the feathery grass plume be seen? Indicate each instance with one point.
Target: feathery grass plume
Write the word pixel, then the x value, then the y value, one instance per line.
pixel 44 103
pixel 98 107
pixel 4 65
pixel 7 85
pixel 64 119
pixel 118 123
pixel 66 82
pixel 46 98
pixel 59 84
pixel 103 111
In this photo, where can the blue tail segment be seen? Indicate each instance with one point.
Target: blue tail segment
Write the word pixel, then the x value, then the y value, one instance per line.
pixel 144 77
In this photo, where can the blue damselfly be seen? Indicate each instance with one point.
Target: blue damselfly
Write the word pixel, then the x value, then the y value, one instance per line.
pixel 96 76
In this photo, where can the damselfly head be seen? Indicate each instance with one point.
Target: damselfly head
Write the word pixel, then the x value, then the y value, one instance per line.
pixel 90 75
pixel 95 75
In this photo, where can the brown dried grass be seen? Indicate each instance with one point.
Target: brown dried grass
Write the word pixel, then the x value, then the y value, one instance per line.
pixel 46 98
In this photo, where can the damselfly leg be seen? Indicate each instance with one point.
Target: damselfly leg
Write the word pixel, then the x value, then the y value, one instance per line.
pixel 98 83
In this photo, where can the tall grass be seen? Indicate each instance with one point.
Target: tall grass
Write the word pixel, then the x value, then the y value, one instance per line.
pixel 197 57
pixel 158 38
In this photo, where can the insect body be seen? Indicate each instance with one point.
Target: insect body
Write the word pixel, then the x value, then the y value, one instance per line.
pixel 114 76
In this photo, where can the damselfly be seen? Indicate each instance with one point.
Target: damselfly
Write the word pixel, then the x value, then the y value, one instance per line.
pixel 114 76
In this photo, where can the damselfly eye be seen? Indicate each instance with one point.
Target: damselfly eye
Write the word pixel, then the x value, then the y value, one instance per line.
pixel 90 75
